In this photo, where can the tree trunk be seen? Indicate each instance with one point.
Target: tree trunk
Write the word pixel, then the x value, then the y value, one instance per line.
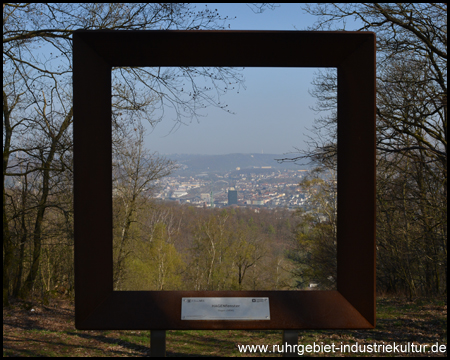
pixel 42 206
pixel 8 250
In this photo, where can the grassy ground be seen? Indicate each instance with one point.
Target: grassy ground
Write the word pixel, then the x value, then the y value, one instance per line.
pixel 38 330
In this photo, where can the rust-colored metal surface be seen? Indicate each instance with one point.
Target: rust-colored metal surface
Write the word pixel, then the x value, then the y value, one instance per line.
pixel 97 306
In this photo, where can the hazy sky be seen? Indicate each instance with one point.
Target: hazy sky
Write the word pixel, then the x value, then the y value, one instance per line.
pixel 272 114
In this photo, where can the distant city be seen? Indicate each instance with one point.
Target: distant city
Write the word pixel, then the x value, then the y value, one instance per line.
pixel 216 181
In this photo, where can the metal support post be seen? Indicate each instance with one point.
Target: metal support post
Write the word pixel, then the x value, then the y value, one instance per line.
pixel 290 343
pixel 157 343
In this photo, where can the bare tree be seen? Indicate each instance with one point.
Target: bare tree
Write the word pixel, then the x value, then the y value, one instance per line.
pixel 37 96
pixel 411 135
pixel 135 171
pixel 411 71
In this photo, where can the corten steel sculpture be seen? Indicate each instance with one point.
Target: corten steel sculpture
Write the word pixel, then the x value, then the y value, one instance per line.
pixel 97 306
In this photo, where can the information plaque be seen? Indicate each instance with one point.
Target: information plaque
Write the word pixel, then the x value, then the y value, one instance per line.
pixel 225 308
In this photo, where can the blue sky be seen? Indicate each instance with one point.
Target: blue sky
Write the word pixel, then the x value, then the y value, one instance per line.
pixel 272 115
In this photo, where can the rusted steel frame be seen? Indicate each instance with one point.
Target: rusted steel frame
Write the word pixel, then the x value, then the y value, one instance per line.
pixel 290 343
pixel 97 306
pixel 158 343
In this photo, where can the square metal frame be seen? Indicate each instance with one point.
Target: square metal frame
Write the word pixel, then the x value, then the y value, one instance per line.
pixel 97 306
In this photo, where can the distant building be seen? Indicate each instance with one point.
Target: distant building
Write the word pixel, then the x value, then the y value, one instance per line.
pixel 205 197
pixel 232 196
pixel 177 194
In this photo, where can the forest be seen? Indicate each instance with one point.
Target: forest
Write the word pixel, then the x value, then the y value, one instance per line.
pixel 167 246
pixel 175 247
